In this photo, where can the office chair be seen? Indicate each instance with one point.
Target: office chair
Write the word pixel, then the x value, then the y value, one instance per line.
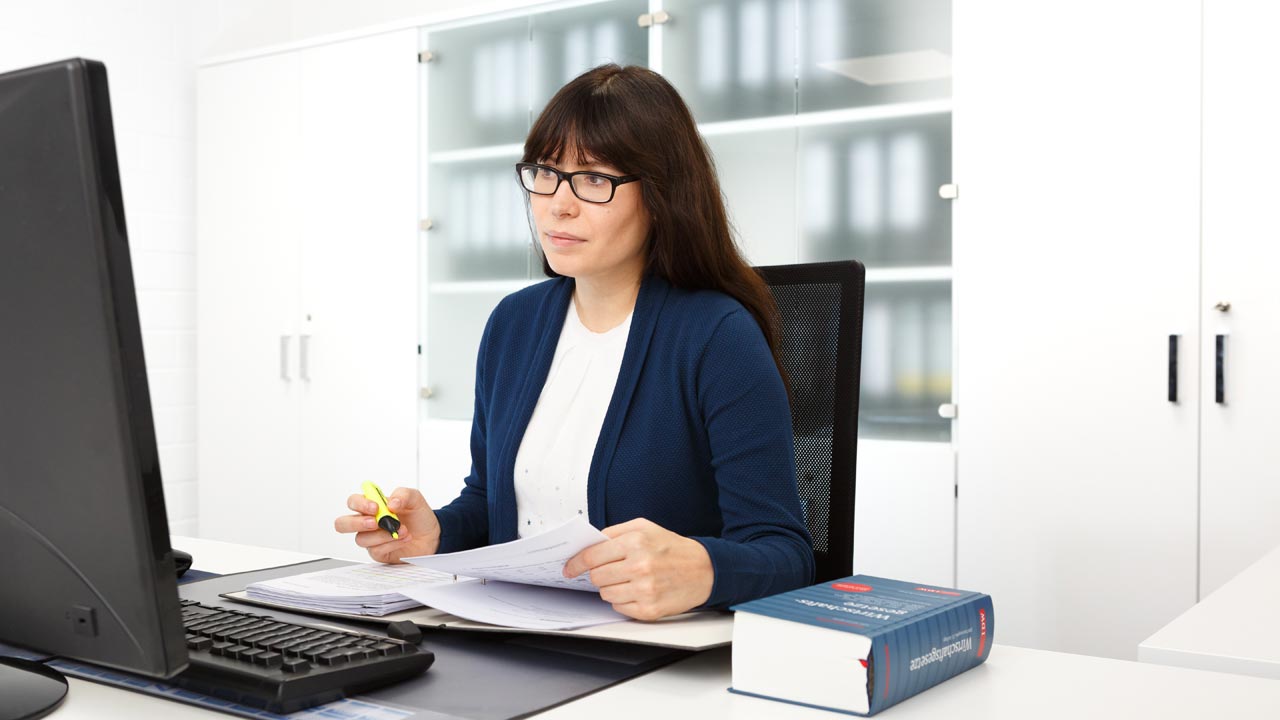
pixel 820 308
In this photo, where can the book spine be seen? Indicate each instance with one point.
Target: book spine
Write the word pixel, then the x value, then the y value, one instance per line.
pixel 917 655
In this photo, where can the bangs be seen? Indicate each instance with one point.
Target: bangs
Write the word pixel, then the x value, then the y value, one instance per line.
pixel 581 125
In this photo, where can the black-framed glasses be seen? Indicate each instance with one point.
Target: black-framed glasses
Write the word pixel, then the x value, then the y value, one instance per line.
pixel 592 187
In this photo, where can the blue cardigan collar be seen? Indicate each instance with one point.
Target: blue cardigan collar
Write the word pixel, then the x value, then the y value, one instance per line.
pixel 550 322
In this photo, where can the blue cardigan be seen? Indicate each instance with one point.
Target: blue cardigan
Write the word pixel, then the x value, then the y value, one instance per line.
pixel 697 437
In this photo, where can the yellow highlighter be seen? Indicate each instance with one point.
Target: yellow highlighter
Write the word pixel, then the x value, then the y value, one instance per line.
pixel 387 520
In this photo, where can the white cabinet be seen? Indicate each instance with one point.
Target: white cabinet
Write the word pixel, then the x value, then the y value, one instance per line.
pixel 1076 253
pixel 1111 199
pixel 307 310
pixel 247 302
pixel 1240 457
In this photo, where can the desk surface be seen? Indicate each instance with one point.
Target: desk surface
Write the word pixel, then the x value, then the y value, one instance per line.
pixel 1236 629
pixel 1013 683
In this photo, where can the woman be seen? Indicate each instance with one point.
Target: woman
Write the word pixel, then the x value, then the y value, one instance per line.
pixel 640 386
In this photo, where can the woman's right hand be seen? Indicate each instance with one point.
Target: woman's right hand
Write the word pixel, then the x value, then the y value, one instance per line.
pixel 419 528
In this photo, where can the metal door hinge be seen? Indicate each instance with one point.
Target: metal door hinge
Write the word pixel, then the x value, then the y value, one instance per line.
pixel 948 410
pixel 662 17
pixel 425 224
pixel 426 56
pixel 426 393
pixel 950 191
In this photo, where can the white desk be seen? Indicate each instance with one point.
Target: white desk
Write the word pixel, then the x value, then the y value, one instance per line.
pixel 1236 629
pixel 1014 683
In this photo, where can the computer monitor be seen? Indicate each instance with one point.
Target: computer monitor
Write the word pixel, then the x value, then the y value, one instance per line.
pixel 87 571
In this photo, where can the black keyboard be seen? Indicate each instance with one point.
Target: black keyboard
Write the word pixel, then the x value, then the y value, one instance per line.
pixel 283 667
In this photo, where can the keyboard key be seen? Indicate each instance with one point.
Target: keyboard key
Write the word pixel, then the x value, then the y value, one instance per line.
pixel 313 654
pixel 334 657
pixel 250 654
pixel 247 635
pixel 306 635
pixel 234 651
pixel 199 643
pixel 266 641
pixel 294 633
pixel 268 659
pixel 296 665
pixel 290 646
pixel 225 632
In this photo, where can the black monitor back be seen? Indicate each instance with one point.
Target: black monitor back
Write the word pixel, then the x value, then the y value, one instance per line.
pixel 87 571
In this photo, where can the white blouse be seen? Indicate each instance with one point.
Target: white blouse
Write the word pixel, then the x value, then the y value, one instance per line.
pixel 554 458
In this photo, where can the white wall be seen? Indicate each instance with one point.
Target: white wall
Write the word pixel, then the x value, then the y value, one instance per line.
pixel 242 26
pixel 149 48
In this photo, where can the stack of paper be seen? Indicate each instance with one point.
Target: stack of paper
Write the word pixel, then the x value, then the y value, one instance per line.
pixel 515 584
pixel 521 583
pixel 358 589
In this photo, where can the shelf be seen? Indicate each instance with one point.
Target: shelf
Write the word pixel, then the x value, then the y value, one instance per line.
pixel 829 117
pixel 487 152
pixel 883 275
pixel 480 286
pixel 909 274
pixel 733 127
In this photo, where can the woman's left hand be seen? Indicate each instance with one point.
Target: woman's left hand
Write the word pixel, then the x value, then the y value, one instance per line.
pixel 646 572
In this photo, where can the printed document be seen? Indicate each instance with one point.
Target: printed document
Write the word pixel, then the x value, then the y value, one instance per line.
pixel 371 589
pixel 516 584
pixel 536 560
pixel 515 605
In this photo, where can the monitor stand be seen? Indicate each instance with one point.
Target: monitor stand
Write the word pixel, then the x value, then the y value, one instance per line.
pixel 30 690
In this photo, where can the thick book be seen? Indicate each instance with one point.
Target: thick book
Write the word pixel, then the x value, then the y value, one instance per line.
pixel 858 645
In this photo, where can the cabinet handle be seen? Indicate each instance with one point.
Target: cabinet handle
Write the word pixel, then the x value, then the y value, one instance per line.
pixel 1173 368
pixel 284 357
pixel 304 357
pixel 1220 379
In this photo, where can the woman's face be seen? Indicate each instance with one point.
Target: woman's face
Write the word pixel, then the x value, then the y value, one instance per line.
pixel 593 241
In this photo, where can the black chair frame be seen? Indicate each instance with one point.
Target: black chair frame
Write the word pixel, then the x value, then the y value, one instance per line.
pixel 820 309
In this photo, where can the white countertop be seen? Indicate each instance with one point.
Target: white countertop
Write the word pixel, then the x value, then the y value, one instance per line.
pixel 1236 629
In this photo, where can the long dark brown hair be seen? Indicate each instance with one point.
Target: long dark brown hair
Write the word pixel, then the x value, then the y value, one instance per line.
pixel 633 119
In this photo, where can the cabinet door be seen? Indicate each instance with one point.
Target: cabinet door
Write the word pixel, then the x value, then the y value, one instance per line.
pixel 731 59
pixel 359 324
pixel 1240 460
pixel 247 243
pixel 478 249
pixel 1076 255
pixel 905 520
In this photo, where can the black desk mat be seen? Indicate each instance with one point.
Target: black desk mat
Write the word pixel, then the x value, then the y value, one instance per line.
pixel 476 675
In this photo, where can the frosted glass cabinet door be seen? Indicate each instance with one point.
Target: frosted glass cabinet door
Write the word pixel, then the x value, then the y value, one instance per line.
pixel 870 191
pixel 906 361
pixel 456 316
pixel 479 225
pixel 478 85
pixel 757 172
pixel 732 59
pixel 857 53
pixel 568 42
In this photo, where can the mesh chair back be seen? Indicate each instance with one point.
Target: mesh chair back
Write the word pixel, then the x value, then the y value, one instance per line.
pixel 820 307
